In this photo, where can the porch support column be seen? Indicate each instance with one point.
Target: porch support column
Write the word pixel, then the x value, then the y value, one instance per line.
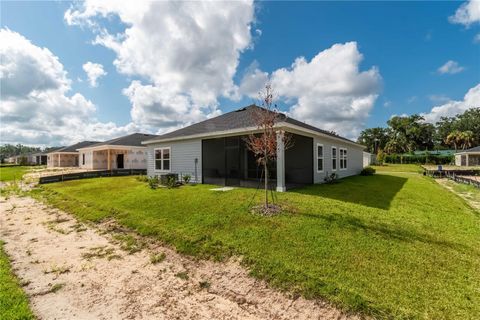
pixel 467 160
pixel 280 163
pixel 109 165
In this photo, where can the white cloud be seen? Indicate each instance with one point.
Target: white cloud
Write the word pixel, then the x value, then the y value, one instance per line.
pixel 467 14
pixel 450 67
pixel 329 91
pixel 187 53
pixel 387 103
pixel 438 98
pixel 94 71
pixel 36 107
pixel 453 107
pixel 476 39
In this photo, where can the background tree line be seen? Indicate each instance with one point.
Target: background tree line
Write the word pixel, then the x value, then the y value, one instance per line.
pixel 10 150
pixel 405 134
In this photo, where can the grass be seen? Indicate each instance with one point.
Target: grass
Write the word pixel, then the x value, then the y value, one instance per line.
pixel 387 167
pixel 13 301
pixel 10 173
pixel 391 245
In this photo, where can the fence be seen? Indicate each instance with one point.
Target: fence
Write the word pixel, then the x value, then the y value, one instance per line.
pixel 92 174
pixel 472 180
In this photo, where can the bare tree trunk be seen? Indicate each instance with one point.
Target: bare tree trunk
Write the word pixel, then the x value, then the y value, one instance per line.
pixel 266 185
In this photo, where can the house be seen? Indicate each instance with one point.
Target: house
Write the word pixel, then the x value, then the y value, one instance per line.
pixel 66 156
pixel 40 158
pixel 368 159
pixel 469 157
pixel 120 153
pixel 214 152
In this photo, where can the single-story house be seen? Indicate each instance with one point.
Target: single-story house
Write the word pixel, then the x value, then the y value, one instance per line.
pixel 214 152
pixel 469 157
pixel 66 156
pixel 40 158
pixel 120 153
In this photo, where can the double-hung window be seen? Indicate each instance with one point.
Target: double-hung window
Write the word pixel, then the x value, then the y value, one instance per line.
pixel 343 159
pixel 319 157
pixel 162 159
pixel 83 158
pixel 334 158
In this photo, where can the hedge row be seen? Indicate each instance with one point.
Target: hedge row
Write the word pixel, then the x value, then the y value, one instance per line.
pixel 420 159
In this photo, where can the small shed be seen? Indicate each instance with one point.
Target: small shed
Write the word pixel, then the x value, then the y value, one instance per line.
pixel 469 157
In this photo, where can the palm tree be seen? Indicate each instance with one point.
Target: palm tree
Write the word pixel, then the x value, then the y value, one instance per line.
pixel 454 138
pixel 467 139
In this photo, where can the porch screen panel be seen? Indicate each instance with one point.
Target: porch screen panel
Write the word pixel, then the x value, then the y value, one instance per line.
pixel 213 161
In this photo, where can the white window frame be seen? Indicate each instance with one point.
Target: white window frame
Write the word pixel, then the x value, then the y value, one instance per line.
pixel 162 159
pixel 343 158
pixel 335 158
pixel 322 157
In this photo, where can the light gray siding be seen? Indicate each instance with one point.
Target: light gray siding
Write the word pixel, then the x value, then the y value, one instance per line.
pixel 183 155
pixel 354 159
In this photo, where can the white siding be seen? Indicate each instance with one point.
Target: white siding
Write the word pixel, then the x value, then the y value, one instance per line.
pixel 354 159
pixel 183 155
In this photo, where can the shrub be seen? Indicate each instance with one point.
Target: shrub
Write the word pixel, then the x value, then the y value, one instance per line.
pixel 186 178
pixel 171 182
pixel 331 178
pixel 426 158
pixel 153 182
pixel 367 171
pixel 142 178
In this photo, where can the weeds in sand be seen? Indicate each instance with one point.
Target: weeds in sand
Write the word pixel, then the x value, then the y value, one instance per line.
pixel 78 227
pixel 101 252
pixel 25 283
pixel 56 287
pixel 51 225
pixel 204 284
pixel 28 252
pixel 182 275
pixel 129 243
pixel 157 258
pixel 58 270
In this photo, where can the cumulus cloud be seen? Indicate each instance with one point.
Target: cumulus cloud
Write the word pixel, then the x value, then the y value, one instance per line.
pixel 467 14
pixel 328 91
pixel 450 67
pixel 454 107
pixel 187 52
pixel 36 107
pixel 94 71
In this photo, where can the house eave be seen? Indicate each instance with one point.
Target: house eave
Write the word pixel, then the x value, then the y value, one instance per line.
pixel 249 130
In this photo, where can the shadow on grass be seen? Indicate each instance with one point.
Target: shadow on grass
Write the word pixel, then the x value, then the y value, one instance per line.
pixel 375 191
pixel 385 231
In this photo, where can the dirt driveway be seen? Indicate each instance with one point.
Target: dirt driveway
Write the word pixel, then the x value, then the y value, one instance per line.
pixel 75 271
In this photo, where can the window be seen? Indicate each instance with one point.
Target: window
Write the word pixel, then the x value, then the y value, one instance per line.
pixel 162 159
pixel 334 158
pixel 83 158
pixel 319 157
pixel 343 159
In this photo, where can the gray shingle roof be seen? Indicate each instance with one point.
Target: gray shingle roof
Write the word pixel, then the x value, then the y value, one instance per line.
pixel 241 118
pixel 134 140
pixel 74 147
pixel 474 149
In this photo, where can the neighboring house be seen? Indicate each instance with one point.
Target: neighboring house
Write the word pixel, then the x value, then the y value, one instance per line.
pixel 469 157
pixel 66 156
pixel 40 158
pixel 120 153
pixel 214 152
pixel 368 159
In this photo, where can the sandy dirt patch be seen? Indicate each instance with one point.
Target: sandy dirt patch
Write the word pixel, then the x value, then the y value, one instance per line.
pixel 468 197
pixel 72 270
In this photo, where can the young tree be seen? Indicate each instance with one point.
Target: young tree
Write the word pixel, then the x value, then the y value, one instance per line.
pixel 264 144
pixel 454 138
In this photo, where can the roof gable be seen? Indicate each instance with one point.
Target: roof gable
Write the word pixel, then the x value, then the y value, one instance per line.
pixel 237 119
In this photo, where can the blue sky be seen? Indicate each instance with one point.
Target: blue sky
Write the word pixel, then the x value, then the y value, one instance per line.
pixel 406 42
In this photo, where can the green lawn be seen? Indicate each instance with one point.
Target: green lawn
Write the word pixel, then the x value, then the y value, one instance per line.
pixel 13 302
pixel 10 173
pixel 391 245
pixel 398 168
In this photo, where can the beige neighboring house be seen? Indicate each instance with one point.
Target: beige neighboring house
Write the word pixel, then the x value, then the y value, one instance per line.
pixel 469 157
pixel 120 153
pixel 66 156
